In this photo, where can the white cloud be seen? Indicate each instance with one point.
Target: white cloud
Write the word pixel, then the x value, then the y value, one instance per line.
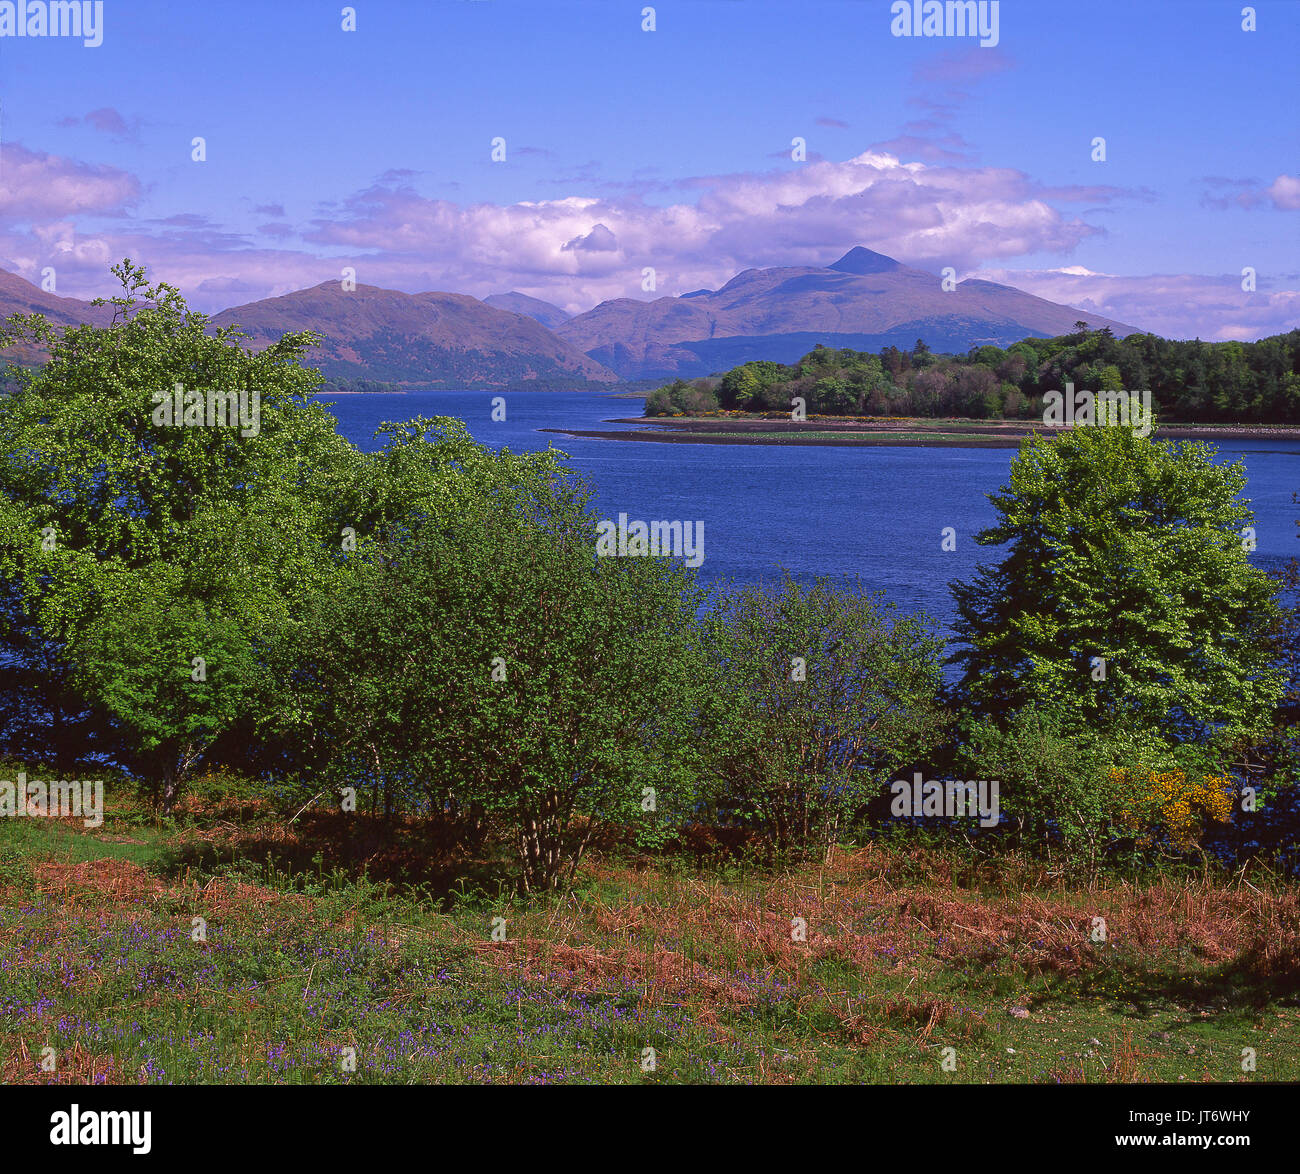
pixel 1285 192
pixel 582 249
pixel 1186 305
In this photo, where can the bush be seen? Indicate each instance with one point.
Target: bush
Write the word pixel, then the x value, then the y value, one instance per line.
pixel 1057 785
pixel 493 666
pixel 816 698
pixel 1173 807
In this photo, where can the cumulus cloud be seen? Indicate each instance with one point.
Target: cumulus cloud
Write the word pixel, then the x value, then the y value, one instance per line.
pixel 45 187
pixel 578 250
pixel 1283 194
pixel 598 240
pixel 1212 307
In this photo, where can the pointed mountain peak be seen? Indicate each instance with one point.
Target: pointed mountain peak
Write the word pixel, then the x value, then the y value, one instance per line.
pixel 860 260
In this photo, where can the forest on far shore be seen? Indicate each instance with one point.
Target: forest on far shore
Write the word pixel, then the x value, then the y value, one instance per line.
pixel 1190 381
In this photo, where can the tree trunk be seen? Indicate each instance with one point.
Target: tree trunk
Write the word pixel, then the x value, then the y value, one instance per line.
pixel 170 787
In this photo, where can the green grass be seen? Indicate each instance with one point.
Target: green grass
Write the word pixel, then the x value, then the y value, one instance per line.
pixel 62 840
pixel 904 959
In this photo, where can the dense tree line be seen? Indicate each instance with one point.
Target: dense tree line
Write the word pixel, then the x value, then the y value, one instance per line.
pixel 426 631
pixel 357 386
pixel 1189 381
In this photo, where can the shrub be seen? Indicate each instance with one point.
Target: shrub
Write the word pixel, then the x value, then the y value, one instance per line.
pixel 1057 785
pixel 494 665
pixel 1172 807
pixel 816 698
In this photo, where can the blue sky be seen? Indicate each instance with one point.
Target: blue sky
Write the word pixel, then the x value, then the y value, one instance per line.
pixel 670 149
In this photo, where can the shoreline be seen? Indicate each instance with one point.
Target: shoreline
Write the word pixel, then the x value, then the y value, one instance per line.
pixel 892 433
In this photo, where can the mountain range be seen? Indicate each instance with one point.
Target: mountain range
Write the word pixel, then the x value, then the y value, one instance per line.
pixel 429 339
pixel 865 300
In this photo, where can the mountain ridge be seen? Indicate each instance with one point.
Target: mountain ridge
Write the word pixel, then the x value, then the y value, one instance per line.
pixel 430 338
pixel 770 313
pixel 864 300
pixel 547 313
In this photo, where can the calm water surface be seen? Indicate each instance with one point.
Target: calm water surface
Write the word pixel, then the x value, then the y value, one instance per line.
pixel 874 513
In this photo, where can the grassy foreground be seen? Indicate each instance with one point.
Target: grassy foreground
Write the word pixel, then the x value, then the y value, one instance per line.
pixel 908 952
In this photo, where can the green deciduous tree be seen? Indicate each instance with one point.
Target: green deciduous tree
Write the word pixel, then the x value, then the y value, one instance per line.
pixel 495 662
pixel 1125 595
pixel 133 545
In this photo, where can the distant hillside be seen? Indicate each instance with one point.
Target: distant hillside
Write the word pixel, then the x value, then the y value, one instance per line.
pixel 544 312
pixel 443 339
pixel 864 301
pixel 20 296
pixel 370 333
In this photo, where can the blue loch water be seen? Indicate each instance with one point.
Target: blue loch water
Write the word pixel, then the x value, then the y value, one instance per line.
pixel 874 513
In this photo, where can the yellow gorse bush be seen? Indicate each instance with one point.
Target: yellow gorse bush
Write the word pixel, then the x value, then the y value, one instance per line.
pixel 1169 804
